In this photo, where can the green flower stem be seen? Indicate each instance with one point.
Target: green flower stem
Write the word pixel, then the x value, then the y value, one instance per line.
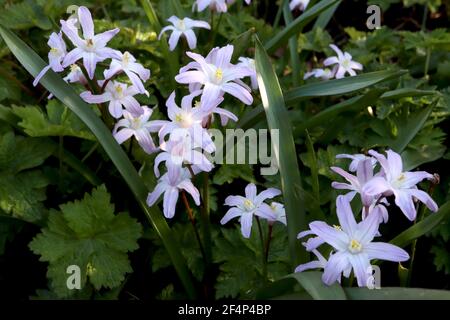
pixel 263 250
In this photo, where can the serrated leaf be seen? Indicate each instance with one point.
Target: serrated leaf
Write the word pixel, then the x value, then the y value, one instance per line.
pixel 57 121
pixel 88 234
pixel 21 190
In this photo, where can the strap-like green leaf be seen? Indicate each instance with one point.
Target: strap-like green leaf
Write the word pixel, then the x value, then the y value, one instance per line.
pixel 395 293
pixel 293 28
pixel 285 153
pixel 64 92
pixel 311 281
pixel 422 227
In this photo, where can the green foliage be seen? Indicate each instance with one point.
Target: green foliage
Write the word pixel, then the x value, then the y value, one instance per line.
pixel 22 187
pixel 241 274
pixel 24 15
pixel 87 234
pixel 57 121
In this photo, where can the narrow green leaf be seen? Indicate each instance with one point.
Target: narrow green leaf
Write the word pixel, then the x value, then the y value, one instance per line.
pixel 410 129
pixel 241 43
pixel 407 92
pixel 64 92
pixel 332 112
pixel 340 86
pixel 285 153
pixel 394 293
pixel 312 282
pixel 325 17
pixel 293 28
pixel 293 45
pixel 171 57
pixel 328 88
pixel 422 227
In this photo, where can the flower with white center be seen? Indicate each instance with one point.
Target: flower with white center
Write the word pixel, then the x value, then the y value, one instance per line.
pixel 139 127
pixel 170 184
pixel 356 159
pixel 248 206
pixel 117 94
pixel 364 173
pixel 324 74
pixel 344 62
pixel 55 56
pixel 187 119
pixel 217 75
pixel 135 71
pixel 400 184
pixel 91 48
pixel 353 245
pixel 250 63
pixel 183 27
pixel 181 151
pixel 298 4
pixel 75 75
pixel 279 214
pixel 215 5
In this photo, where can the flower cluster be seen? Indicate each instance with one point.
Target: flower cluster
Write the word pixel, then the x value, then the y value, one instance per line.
pixel 253 205
pixel 352 243
pixel 183 139
pixel 340 65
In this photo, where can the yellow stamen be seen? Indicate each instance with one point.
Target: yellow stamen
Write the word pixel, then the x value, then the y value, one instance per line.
pixel 355 246
pixel 219 74
pixel 89 43
pixel 337 227
pixel 74 67
pixel 178 117
pixel 54 50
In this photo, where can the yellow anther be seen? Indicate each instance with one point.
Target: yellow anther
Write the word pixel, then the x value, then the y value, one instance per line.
pixel 337 227
pixel 219 74
pixel 54 50
pixel 178 117
pixel 355 246
pixel 89 43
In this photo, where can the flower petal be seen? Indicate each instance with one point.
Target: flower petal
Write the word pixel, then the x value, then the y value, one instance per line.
pixel 231 214
pixel 385 251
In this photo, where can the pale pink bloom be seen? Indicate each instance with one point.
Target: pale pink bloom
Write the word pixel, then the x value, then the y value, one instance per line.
pixel 183 27
pixel 215 5
pixel 216 75
pixel 344 63
pixel 324 74
pixel 171 183
pixel 118 95
pixel 298 4
pixel 246 207
pixel 91 48
pixel 356 159
pixel 126 62
pixel 140 127
pixel 279 214
pixel 400 184
pixel 250 64
pixel 55 56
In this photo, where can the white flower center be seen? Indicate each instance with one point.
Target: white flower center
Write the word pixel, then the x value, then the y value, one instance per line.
pixel 249 205
pixel 218 76
pixel 54 51
pixel 74 68
pixel 184 120
pixel 126 59
pixel 89 45
pixel 136 123
pixel 355 246
pixel 181 25
pixel 119 91
pixel 398 182
pixel 346 63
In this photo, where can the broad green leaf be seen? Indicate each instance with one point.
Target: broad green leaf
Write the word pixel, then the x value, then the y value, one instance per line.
pixel 407 92
pixel 65 93
pixel 393 293
pixel 422 227
pixel 57 121
pixel 295 26
pixel 285 153
pixel 89 235
pixel 312 282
